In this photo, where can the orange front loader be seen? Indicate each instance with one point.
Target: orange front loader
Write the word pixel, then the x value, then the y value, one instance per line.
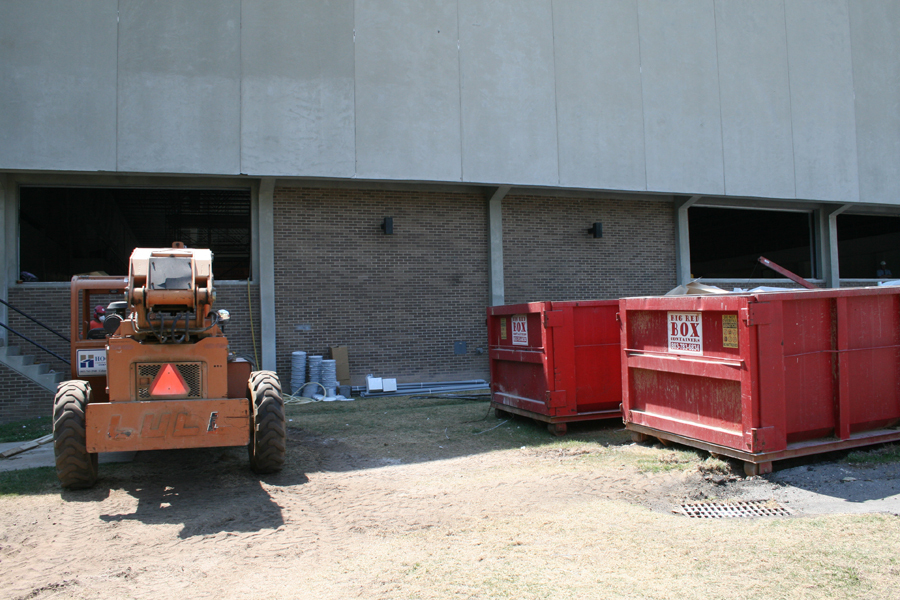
pixel 159 374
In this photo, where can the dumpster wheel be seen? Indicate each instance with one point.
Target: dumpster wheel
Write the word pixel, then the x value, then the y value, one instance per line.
pixel 499 413
pixel 558 429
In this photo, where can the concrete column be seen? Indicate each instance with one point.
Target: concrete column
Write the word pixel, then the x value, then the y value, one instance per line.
pixel 827 244
pixel 4 279
pixel 495 228
pixel 683 240
pixel 267 271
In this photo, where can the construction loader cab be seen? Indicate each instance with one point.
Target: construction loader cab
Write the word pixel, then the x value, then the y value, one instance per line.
pixel 162 377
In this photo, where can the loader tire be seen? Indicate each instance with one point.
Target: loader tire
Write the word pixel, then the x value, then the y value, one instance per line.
pixel 267 431
pixel 75 466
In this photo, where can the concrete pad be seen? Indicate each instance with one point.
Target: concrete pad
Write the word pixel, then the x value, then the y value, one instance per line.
pixel 42 456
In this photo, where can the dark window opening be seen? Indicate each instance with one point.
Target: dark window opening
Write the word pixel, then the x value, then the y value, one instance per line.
pixel 864 242
pixel 727 243
pixel 69 231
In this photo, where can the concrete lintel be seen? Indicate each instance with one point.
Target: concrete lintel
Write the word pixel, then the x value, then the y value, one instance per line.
pixel 495 244
pixel 499 193
pixel 834 211
pixel 685 203
pixel 267 272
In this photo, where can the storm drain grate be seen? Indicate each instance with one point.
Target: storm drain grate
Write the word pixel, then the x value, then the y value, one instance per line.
pixel 735 510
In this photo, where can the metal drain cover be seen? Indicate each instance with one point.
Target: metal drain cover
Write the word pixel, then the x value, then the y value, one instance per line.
pixel 735 510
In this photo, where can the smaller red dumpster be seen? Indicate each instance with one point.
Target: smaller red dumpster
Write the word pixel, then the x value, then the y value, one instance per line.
pixel 556 361
pixel 764 377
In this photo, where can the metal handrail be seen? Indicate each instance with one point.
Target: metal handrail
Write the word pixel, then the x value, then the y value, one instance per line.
pixel 7 304
pixel 47 350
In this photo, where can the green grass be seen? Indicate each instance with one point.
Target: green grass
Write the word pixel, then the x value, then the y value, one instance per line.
pixel 889 453
pixel 27 430
pixel 28 482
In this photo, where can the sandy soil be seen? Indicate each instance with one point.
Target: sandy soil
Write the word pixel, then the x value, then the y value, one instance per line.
pixel 421 521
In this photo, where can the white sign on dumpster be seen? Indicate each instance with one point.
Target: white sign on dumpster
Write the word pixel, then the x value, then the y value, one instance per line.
pixel 519 330
pixel 685 333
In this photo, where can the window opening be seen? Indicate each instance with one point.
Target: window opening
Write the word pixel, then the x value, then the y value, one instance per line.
pixel 864 242
pixel 726 243
pixel 69 231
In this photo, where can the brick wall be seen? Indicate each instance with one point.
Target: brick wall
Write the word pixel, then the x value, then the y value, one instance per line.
pixel 548 254
pixel 241 332
pixel 399 301
pixel 21 398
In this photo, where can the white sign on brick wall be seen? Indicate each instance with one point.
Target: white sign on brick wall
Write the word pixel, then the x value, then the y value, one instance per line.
pixel 685 333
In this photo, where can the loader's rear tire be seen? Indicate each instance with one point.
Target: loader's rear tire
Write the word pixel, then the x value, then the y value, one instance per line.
pixel 267 431
pixel 75 466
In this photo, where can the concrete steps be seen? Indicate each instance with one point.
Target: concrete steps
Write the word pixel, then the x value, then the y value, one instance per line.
pixel 24 365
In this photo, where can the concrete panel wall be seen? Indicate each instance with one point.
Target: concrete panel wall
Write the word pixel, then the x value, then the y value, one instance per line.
pixel 677 96
pixel 297 113
pixel 756 98
pixel 179 86
pixel 682 120
pixel 875 41
pixel 407 90
pixel 823 114
pixel 58 85
pixel 599 103
pixel 508 93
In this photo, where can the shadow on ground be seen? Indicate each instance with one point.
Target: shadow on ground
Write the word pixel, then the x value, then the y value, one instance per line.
pixel 173 487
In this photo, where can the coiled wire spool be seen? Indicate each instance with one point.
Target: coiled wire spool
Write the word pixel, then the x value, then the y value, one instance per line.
pixel 298 370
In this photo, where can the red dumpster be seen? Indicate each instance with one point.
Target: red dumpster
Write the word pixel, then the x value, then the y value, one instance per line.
pixel 556 361
pixel 764 377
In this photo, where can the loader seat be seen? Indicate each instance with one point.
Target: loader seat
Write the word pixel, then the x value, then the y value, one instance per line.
pixel 98 333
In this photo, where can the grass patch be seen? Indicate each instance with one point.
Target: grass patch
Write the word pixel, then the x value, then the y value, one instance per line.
pixel 417 428
pixel 659 461
pixel 27 482
pixel 889 453
pixel 27 430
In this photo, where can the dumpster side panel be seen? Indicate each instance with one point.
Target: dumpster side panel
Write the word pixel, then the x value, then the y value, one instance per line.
pixel 873 361
pixel 708 402
pixel 521 362
pixel 598 383
pixel 683 369
pixel 569 369
pixel 810 367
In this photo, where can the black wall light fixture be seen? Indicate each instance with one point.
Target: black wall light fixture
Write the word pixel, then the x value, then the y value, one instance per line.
pixel 388 225
pixel 596 230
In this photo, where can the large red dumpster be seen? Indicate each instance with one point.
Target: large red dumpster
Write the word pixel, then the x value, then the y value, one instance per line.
pixel 556 361
pixel 763 377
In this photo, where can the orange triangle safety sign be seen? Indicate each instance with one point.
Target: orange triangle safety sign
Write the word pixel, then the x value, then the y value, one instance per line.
pixel 169 383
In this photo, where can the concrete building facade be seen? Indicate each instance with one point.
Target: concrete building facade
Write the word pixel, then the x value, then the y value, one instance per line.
pixel 494 134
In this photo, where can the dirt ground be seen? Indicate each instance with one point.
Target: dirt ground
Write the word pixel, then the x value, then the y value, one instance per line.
pixel 427 498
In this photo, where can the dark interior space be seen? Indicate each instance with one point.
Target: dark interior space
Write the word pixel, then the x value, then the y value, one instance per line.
pixel 864 242
pixel 69 231
pixel 727 243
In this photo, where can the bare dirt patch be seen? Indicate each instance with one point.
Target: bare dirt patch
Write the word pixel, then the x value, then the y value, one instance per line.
pixel 427 498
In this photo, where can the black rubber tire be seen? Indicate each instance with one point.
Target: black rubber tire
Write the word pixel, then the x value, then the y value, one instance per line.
pixel 267 426
pixel 75 466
